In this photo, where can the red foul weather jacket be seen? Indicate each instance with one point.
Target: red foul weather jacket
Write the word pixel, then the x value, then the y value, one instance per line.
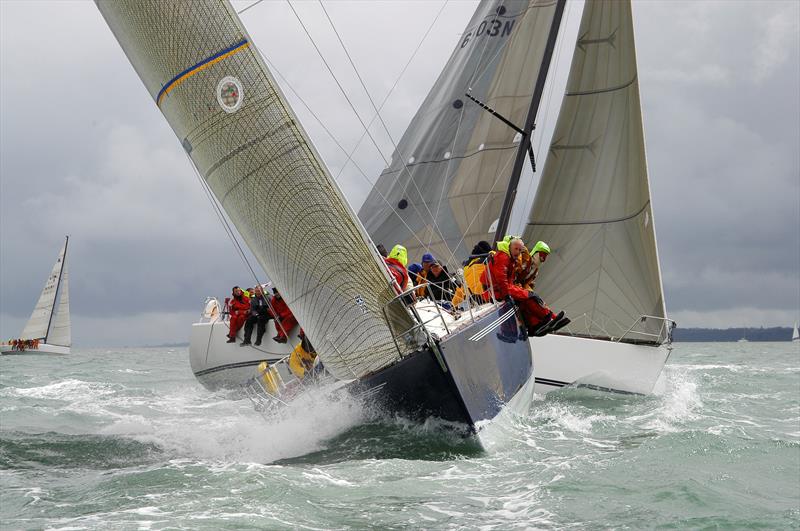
pixel 279 307
pixel 398 271
pixel 501 267
pixel 239 306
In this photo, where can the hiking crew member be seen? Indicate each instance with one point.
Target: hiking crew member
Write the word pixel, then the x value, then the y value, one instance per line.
pixel 396 264
pixel 259 314
pixel 474 266
pixel 284 319
pixel 534 313
pixel 238 307
pixel 530 263
pixel 422 276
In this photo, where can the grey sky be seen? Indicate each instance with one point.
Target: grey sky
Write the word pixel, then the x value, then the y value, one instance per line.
pixel 84 151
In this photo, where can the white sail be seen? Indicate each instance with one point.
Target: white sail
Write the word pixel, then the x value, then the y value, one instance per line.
pixel 41 317
pixel 60 329
pixel 449 174
pixel 795 333
pixel 209 81
pixel 593 202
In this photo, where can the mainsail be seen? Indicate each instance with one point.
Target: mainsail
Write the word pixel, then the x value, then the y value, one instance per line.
pixel 204 73
pixel 60 328
pixel 40 324
pixel 445 187
pixel 593 201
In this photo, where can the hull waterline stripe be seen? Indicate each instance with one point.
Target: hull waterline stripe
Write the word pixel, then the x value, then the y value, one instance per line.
pixel 494 324
pixel 199 67
pixel 557 383
pixel 230 366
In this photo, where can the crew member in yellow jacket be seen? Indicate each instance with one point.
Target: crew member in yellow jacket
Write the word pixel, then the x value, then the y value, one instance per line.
pixel 474 266
pixel 303 356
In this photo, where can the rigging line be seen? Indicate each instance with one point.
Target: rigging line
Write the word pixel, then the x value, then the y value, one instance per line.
pixel 403 158
pixel 248 7
pixel 474 78
pixel 483 203
pixel 349 159
pixel 563 43
pixel 396 81
pixel 218 210
pixel 221 217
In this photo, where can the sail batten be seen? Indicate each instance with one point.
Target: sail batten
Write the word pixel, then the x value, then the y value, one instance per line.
pixel 593 203
pixel 245 141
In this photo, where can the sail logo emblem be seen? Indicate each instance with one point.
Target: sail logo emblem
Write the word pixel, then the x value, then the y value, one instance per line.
pixel 361 303
pixel 230 94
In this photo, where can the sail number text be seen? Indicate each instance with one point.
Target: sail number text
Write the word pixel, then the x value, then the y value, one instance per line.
pixel 489 28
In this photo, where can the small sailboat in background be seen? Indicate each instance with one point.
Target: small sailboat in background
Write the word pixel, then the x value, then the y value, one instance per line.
pixel 795 333
pixel 48 331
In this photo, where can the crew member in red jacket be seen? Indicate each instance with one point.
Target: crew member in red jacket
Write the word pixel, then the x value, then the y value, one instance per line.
pixel 501 268
pixel 284 319
pixel 238 307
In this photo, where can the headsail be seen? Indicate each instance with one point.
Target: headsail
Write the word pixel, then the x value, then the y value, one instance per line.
pixel 202 70
pixel 593 201
pixel 448 178
pixel 41 318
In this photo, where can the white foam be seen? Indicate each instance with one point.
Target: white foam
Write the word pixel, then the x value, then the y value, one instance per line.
pixel 233 432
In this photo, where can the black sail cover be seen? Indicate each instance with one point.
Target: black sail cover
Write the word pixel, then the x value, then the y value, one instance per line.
pixel 448 176
pixel 593 202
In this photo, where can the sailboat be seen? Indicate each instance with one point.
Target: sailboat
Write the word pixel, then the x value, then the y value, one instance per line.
pixel 795 333
pixel 48 330
pixel 206 76
pixel 447 189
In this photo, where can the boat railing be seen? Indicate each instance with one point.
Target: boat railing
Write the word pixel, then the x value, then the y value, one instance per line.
pixel 419 332
pixel 664 334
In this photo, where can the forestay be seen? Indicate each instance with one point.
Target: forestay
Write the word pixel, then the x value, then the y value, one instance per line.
pixel 41 317
pixel 201 68
pixel 448 177
pixel 593 201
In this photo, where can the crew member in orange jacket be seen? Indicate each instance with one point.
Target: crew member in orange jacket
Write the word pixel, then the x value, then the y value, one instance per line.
pixel 501 268
pixel 238 307
pixel 284 319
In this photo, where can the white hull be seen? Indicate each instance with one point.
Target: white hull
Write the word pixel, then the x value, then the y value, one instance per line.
pixel 605 365
pixel 44 348
pixel 218 364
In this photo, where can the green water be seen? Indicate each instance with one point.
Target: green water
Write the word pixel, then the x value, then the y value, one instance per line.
pixel 126 439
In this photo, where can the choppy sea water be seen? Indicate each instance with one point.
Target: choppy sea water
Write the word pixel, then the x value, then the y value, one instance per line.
pixel 126 439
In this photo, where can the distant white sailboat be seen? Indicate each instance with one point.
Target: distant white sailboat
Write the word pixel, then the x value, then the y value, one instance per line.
pixel 48 331
pixel 743 339
pixel 795 333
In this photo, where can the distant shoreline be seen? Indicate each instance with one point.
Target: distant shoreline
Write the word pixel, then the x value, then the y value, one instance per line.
pixel 728 335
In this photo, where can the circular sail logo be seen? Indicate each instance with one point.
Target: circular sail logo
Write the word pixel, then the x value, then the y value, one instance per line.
pixel 230 94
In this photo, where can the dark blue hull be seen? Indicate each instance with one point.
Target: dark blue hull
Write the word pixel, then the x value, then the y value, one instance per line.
pixel 469 378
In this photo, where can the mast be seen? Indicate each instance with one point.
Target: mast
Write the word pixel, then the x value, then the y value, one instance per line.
pixel 58 286
pixel 530 122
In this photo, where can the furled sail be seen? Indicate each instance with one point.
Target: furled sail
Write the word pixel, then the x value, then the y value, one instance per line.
pixel 448 177
pixel 41 317
pixel 593 202
pixel 207 78
pixel 60 329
